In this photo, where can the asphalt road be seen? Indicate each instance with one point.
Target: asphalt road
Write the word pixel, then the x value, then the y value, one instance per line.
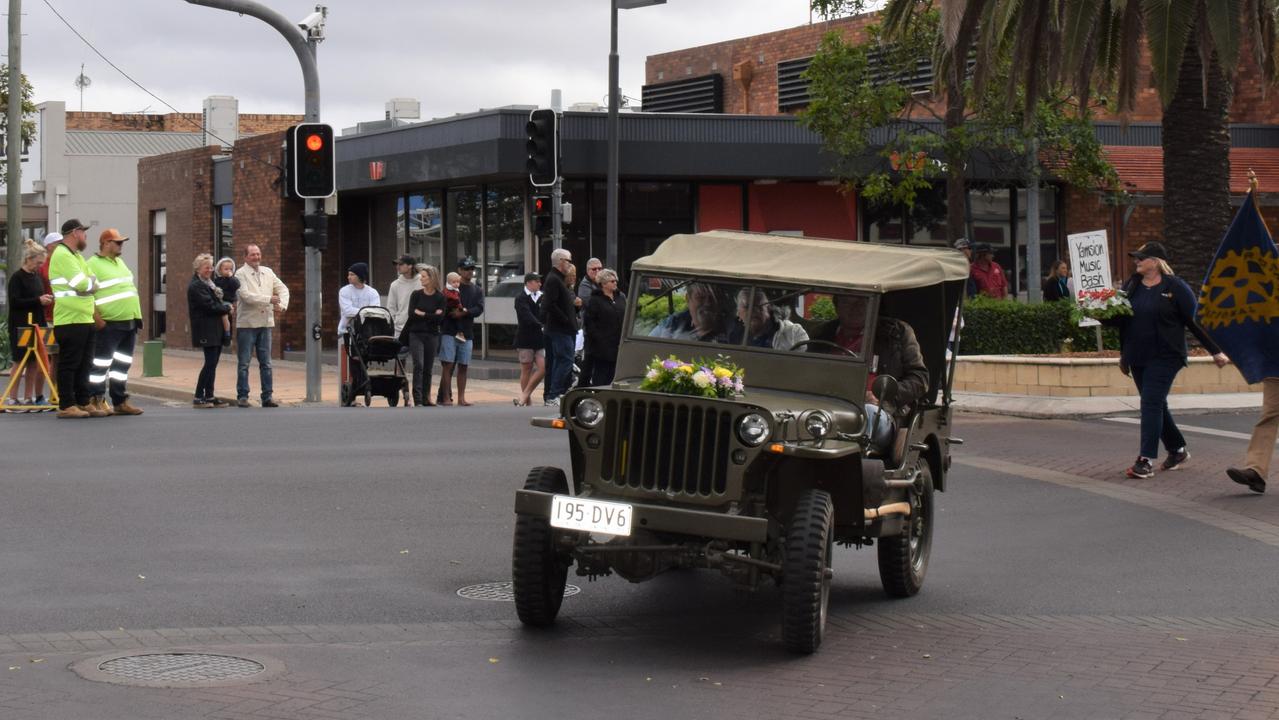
pixel 328 517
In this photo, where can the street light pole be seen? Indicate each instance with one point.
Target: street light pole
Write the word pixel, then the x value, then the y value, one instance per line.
pixel 304 46
pixel 13 138
pixel 614 96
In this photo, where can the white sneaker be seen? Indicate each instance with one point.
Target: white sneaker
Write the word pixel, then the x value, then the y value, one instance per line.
pixel 552 402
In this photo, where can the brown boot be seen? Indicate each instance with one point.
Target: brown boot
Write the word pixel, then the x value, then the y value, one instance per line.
pixel 126 408
pixel 72 412
pixel 92 409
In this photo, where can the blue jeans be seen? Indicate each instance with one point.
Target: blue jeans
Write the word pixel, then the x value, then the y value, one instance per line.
pixel 559 363
pixel 1153 383
pixel 249 341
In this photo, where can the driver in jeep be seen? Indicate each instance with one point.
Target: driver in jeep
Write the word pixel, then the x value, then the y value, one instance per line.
pixel 896 353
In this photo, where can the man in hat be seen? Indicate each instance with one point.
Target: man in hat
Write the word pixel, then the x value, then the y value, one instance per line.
pixel 458 337
pixel 354 295
pixel 987 274
pixel 260 297
pixel 119 316
pixel 397 296
pixel 73 287
pixel 529 341
pixel 962 245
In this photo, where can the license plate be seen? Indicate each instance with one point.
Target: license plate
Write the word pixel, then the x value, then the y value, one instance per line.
pixel 597 516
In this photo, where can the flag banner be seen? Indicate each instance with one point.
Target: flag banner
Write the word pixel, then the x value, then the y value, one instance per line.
pixel 1239 300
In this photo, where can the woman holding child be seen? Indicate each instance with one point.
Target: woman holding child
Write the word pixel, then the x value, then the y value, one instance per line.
pixel 422 331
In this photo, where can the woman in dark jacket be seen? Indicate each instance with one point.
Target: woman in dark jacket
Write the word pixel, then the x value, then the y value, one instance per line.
pixel 27 300
pixel 422 331
pixel 206 308
pixel 603 317
pixel 1055 285
pixel 1153 342
pixel 530 341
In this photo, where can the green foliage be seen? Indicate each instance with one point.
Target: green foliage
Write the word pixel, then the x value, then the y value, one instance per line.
pixel 1008 327
pixel 653 311
pixel 822 309
pixel 6 352
pixel 28 110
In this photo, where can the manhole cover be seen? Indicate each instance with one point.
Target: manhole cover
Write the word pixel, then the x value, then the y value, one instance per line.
pixel 177 669
pixel 501 591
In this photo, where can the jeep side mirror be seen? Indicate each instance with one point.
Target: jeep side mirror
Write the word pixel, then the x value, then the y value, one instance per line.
pixel 885 388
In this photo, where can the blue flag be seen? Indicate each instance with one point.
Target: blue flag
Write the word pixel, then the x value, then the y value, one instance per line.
pixel 1239 300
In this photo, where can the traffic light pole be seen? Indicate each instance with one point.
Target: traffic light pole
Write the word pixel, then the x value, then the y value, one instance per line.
pixel 557 214
pixel 304 48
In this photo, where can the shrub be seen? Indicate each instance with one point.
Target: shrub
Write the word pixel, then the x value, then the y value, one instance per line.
pixel 1008 327
pixel 6 352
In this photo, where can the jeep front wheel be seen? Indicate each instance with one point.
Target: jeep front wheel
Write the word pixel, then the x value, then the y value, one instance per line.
pixel 538 573
pixel 806 572
pixel 903 558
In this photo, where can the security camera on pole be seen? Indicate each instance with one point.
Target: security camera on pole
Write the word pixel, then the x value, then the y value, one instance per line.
pixel 303 37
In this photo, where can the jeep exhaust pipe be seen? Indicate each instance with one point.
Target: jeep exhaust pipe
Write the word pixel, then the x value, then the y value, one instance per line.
pixel 897 508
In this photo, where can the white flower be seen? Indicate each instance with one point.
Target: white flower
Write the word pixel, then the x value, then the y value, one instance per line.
pixel 702 379
pixel 652 374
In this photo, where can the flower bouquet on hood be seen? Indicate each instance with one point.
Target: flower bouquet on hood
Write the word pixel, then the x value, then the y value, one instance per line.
pixel 716 378
pixel 1102 304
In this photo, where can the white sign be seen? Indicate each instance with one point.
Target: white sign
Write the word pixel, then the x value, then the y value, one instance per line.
pixel 1089 264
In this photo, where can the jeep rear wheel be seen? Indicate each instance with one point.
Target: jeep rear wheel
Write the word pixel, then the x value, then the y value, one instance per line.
pixel 538 573
pixel 903 558
pixel 806 575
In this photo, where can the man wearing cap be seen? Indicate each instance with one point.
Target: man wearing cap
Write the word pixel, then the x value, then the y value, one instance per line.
pixel 986 274
pixel 73 286
pixel 354 295
pixel 397 296
pixel 460 322
pixel 529 342
pixel 51 241
pixel 120 317
pixel 962 245
pixel 260 297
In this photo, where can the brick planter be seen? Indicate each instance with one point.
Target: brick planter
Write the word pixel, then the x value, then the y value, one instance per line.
pixel 1082 377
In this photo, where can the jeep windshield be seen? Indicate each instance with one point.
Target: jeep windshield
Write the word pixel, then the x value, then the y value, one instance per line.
pixel 768 318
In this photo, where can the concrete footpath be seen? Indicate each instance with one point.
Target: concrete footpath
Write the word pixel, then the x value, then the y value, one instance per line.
pixel 496 381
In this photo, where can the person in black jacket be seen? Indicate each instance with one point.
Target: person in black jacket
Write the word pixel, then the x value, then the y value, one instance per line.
pixel 603 317
pixel 530 342
pixel 1153 351
pixel 560 314
pixel 27 300
pixel 421 331
pixel 1056 285
pixel 206 308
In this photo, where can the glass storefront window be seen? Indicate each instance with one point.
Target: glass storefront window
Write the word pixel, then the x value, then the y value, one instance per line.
pixel 922 224
pixel 463 227
pixel 1047 234
pixel 503 235
pixel 424 225
pixel 224 240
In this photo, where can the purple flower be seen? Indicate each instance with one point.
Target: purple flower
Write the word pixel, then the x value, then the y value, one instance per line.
pixel 670 364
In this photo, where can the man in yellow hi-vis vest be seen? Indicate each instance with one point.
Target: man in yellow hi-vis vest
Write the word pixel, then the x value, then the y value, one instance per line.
pixel 120 317
pixel 73 287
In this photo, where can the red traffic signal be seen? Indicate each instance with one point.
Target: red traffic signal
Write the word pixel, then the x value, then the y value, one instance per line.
pixel 541 206
pixel 310 161
pixel 314 142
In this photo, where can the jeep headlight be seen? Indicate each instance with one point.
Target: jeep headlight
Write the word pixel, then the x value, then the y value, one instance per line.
pixel 588 412
pixel 752 429
pixel 817 423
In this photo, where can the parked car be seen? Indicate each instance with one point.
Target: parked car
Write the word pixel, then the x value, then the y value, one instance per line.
pixel 760 486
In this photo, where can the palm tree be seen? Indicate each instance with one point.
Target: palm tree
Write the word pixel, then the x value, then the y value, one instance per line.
pixel 1195 48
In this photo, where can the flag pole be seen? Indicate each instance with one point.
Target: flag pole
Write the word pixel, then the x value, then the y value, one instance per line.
pixel 1252 181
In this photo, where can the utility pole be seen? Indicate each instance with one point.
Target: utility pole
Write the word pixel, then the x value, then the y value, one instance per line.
pixel 13 139
pixel 304 43
pixel 1033 292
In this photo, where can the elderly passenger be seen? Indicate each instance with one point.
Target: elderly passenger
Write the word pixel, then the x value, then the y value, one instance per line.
pixel 764 324
pixel 702 320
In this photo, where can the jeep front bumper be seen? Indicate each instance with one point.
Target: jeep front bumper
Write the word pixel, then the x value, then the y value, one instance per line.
pixel 660 518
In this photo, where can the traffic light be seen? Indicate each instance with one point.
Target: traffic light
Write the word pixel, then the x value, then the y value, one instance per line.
pixel 315 231
pixel 543 147
pixel 541 206
pixel 311 160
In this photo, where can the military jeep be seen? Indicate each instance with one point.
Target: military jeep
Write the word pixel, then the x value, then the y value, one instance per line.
pixel 762 485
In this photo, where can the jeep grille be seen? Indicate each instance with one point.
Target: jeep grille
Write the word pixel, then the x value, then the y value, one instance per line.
pixel 666 446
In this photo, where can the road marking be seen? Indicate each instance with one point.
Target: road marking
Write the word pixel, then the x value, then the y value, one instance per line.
pixel 1191 428
pixel 1244 525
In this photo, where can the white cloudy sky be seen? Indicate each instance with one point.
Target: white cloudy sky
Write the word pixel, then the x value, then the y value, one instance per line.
pixel 452 55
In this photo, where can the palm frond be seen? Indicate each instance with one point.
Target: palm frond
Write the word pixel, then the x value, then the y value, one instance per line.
pixel 1226 22
pixel 1128 53
pixel 952 15
pixel 1168 27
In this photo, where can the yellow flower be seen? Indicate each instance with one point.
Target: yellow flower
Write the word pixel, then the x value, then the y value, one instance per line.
pixel 686 369
pixel 723 372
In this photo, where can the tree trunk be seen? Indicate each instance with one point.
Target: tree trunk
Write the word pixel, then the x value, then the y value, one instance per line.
pixel 1196 144
pixel 957 153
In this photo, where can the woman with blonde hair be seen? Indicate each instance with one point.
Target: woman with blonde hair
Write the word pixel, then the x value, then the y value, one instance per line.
pixel 207 310
pixel 27 299
pixel 1153 351
pixel 421 331
pixel 1057 285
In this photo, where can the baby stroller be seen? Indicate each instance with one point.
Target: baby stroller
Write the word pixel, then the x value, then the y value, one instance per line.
pixel 371 363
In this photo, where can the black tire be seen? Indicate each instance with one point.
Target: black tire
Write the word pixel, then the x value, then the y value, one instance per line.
pixel 903 558
pixel 806 573
pixel 345 395
pixel 538 573
pixel 393 399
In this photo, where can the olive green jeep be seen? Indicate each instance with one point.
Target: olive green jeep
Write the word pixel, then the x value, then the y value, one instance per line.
pixel 760 484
